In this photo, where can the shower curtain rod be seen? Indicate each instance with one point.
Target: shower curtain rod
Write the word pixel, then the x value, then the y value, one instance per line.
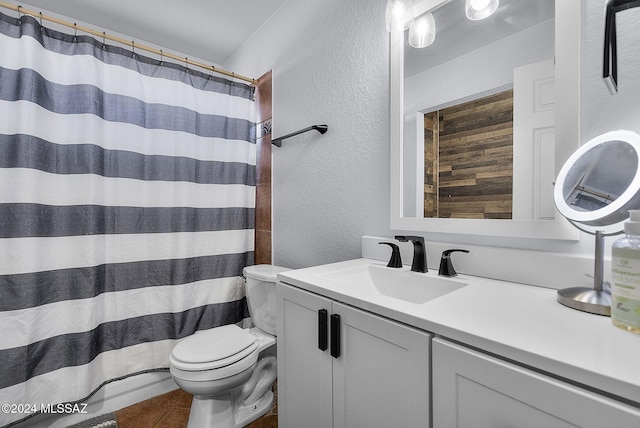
pixel 129 43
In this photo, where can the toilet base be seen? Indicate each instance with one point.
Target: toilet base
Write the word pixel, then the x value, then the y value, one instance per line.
pixel 248 414
pixel 218 412
pixel 238 407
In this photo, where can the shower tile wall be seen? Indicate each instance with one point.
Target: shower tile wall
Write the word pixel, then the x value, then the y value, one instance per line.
pixel 263 161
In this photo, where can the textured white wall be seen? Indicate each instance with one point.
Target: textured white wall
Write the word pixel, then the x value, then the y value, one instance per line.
pixel 330 62
pixel 330 65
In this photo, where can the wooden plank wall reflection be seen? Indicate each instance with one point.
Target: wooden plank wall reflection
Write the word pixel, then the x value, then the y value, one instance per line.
pixel 473 173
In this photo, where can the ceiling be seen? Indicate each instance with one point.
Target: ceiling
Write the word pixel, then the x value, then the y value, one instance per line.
pixel 209 30
pixel 212 30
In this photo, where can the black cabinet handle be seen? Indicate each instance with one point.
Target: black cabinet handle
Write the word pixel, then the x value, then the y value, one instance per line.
pixel 335 336
pixel 323 321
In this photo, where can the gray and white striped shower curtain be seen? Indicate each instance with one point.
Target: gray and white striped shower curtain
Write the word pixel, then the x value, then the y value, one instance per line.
pixel 127 211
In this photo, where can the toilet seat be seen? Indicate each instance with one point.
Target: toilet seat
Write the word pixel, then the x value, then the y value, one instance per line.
pixel 224 351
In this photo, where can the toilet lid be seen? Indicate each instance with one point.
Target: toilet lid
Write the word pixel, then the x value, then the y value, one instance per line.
pixel 268 273
pixel 211 349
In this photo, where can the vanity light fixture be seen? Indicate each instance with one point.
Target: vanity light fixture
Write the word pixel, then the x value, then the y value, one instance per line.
pixel 480 9
pixel 422 31
pixel 418 17
pixel 399 15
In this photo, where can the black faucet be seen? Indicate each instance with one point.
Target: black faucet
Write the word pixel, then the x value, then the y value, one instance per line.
pixel 419 263
pixel 446 266
pixel 396 260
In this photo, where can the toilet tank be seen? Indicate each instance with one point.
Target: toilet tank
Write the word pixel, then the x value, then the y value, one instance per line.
pixel 260 288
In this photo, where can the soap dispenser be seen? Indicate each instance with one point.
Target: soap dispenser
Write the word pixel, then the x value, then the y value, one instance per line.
pixel 625 267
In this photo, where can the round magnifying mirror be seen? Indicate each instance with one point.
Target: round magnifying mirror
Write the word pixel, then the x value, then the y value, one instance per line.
pixel 600 182
pixel 596 187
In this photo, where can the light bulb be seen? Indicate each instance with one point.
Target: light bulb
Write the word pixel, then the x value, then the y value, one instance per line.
pixel 480 9
pixel 422 32
pixel 399 15
pixel 479 4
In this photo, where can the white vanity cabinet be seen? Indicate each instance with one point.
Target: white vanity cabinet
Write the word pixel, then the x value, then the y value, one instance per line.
pixel 475 390
pixel 369 372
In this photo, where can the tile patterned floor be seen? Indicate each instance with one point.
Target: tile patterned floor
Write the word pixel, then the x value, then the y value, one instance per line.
pixel 171 410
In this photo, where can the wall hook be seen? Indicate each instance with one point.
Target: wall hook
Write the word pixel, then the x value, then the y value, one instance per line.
pixel 320 128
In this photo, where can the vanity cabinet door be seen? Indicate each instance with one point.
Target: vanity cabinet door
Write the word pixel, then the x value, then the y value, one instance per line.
pixel 371 372
pixel 304 371
pixel 381 378
pixel 474 390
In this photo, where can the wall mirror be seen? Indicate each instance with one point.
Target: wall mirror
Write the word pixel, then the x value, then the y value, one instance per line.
pixel 465 63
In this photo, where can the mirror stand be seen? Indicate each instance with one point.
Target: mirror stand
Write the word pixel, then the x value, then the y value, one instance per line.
pixel 596 187
pixel 596 300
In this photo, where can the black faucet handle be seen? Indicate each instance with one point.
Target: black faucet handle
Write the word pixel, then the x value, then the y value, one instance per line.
pixel 446 265
pixel 396 260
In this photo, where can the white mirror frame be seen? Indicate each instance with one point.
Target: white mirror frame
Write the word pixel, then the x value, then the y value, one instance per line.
pixel 567 77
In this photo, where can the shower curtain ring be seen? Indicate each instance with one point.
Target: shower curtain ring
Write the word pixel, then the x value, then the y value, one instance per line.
pixel 75 31
pixel 186 63
pixel 161 57
pixel 104 37
pixel 133 48
pixel 41 19
pixel 20 14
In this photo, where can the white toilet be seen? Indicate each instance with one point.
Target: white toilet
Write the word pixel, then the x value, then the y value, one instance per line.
pixel 230 370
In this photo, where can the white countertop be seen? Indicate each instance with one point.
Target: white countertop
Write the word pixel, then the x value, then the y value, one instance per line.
pixel 517 322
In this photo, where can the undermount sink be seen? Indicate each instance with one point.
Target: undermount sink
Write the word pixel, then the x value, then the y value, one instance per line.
pixel 400 284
